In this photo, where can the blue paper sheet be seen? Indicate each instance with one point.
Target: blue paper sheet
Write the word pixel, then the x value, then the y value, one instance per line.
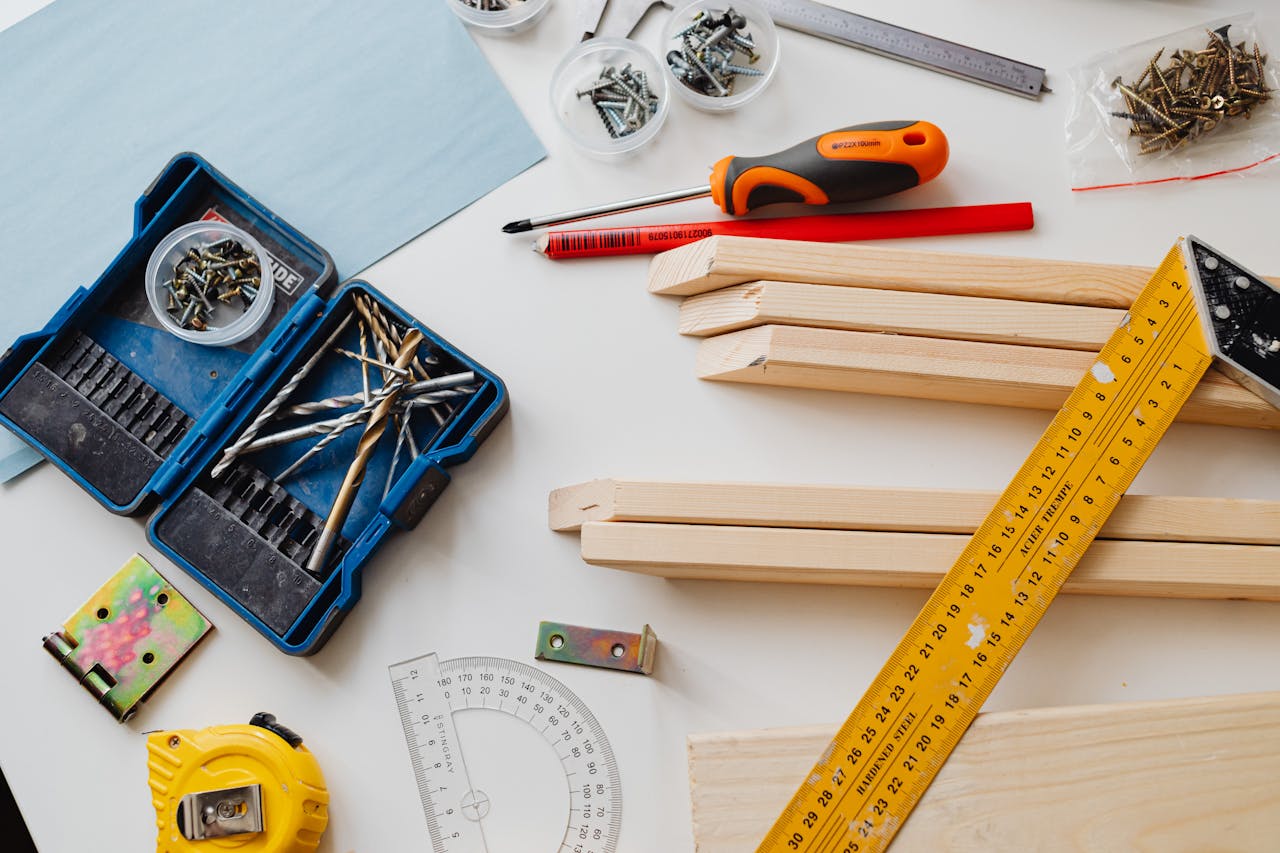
pixel 357 122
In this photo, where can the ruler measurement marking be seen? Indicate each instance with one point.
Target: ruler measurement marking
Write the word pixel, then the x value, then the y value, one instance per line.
pixel 1151 364
pixel 909 46
pixel 839 801
pixel 1049 533
pixel 883 779
pixel 595 813
pixel 1143 310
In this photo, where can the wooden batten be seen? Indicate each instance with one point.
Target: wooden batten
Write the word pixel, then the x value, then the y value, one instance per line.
pixel 919 560
pixel 930 315
pixel 723 261
pixel 934 369
pixel 1143 517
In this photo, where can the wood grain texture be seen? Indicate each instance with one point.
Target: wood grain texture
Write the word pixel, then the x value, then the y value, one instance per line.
pixel 1175 776
pixel 1149 517
pixel 933 369
pixel 930 315
pixel 919 560
pixel 722 261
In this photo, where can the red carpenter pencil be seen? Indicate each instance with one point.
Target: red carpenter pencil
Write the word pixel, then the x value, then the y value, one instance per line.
pixel 833 228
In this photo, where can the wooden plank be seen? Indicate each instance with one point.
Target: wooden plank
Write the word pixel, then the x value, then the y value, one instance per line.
pixel 1173 776
pixel 931 315
pixel 933 369
pixel 723 261
pixel 1149 517
pixel 918 560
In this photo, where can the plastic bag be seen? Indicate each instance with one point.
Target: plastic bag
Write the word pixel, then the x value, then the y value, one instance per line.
pixel 1137 120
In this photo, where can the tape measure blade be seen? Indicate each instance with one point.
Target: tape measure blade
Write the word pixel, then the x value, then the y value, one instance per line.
pixel 892 746
pixel 435 754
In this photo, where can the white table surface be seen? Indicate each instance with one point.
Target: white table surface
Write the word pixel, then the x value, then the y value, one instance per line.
pixel 602 385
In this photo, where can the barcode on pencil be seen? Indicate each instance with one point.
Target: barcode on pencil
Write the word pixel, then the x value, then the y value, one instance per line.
pixel 588 241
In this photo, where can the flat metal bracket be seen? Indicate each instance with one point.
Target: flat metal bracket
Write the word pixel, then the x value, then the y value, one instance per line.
pixel 619 650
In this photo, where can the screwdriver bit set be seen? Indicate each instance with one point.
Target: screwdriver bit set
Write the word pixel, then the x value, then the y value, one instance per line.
pixel 273 469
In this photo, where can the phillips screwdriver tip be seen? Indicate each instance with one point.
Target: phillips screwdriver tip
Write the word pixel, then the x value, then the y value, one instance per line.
pixel 517 227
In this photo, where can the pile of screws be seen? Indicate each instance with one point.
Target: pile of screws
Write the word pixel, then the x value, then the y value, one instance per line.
pixel 708 60
pixel 1196 92
pixel 216 273
pixel 623 99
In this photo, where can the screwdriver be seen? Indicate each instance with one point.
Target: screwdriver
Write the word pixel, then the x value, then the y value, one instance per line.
pixel 850 164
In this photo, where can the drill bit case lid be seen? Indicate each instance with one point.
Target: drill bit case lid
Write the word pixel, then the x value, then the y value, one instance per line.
pixel 142 420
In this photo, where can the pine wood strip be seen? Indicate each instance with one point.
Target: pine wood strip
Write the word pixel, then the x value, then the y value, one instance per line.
pixel 1172 776
pixel 930 315
pixel 1147 517
pixel 722 261
pixel 919 560
pixel 933 369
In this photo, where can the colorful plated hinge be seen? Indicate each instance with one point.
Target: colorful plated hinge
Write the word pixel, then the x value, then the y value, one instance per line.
pixel 127 637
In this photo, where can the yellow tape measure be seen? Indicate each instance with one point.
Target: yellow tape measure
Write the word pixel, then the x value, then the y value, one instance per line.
pixel 892 746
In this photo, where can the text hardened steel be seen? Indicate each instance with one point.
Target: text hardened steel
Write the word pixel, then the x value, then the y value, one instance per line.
pixel 893 744
pixel 429 691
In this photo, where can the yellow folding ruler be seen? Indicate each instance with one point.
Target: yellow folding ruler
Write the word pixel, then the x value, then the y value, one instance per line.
pixel 1198 305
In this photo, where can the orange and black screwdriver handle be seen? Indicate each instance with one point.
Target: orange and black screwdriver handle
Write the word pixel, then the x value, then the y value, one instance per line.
pixel 851 164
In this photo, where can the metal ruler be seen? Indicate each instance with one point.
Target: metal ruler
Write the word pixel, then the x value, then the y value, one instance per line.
pixel 947 57
pixel 893 744
pixel 431 694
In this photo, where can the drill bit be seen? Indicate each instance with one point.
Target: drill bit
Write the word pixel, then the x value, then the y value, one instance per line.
pixel 364 367
pixel 401 437
pixel 325 427
pixel 229 455
pixel 346 422
pixel 413 390
pixel 355 473
pixel 365 361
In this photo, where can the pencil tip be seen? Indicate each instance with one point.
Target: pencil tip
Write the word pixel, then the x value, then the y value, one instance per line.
pixel 517 227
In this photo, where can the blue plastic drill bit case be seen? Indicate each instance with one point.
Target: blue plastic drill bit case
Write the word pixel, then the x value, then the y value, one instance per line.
pixel 138 418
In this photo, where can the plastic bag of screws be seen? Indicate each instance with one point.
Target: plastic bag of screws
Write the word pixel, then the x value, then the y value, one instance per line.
pixel 1192 104
pixel 720 55
pixel 210 283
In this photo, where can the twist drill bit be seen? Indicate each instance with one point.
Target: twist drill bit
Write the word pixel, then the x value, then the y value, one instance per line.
pixel 355 474
pixel 325 427
pixel 388 335
pixel 346 422
pixel 415 390
pixel 401 437
pixel 364 367
pixel 229 455
pixel 365 361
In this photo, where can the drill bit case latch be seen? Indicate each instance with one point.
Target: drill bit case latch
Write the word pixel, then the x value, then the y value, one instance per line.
pixel 236 451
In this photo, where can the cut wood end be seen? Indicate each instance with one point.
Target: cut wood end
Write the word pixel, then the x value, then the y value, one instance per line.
pixel 570 507
pixel 724 356
pixel 721 311
pixel 676 272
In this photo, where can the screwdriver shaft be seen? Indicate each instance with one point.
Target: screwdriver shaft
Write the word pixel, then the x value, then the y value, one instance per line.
pixel 605 209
